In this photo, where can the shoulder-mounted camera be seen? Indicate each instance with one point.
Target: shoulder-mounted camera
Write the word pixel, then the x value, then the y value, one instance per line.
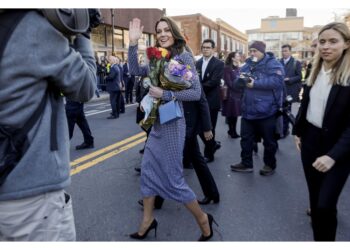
pixel 71 22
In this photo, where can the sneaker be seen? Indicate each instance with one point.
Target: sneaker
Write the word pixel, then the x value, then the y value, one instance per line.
pixel 267 170
pixel 241 168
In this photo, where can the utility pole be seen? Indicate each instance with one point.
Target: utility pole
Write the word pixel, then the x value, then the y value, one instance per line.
pixel 112 15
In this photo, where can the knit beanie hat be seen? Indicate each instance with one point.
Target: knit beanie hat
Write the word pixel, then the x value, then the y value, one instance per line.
pixel 258 45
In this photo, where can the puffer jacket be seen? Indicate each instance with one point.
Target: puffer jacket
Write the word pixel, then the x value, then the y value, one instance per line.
pixel 265 98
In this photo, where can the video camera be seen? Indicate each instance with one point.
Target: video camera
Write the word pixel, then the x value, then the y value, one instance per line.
pixel 285 109
pixel 71 22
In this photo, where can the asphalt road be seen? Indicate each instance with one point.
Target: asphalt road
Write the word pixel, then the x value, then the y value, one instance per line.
pixel 105 190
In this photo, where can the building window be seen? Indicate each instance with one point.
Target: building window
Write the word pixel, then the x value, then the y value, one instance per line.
pixel 272 36
pixel 214 36
pixel 205 33
pixel 143 42
pixel 118 38
pixel 126 39
pixel 292 36
pixel 222 42
pixel 233 44
pixel 273 24
pixel 152 40
pixel 228 44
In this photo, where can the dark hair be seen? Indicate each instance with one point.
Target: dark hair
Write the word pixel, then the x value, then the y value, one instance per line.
pixel 229 60
pixel 179 41
pixel 287 46
pixel 209 41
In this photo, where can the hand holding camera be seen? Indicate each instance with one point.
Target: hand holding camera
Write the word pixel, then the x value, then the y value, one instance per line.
pixel 245 79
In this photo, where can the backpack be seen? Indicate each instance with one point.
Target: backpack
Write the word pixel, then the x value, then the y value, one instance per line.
pixel 14 141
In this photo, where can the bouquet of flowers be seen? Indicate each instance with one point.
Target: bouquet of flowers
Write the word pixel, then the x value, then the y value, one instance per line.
pixel 166 73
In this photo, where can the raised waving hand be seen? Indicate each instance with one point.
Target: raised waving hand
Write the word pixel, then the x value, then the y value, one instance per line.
pixel 135 31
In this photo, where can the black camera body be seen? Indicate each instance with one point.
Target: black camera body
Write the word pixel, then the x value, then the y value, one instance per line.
pixel 95 18
pixel 244 79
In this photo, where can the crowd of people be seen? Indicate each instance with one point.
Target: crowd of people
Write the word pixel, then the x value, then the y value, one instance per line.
pixel 254 90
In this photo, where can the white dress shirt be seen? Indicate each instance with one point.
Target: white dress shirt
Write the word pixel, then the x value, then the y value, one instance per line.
pixel 285 61
pixel 318 98
pixel 205 64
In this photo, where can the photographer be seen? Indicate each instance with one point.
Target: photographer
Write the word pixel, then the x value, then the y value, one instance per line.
pixel 33 204
pixel 262 78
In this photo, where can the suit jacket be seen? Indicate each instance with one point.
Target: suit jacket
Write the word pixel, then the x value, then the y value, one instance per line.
pixel 126 74
pixel 197 116
pixel 211 80
pixel 336 122
pixel 292 70
pixel 113 79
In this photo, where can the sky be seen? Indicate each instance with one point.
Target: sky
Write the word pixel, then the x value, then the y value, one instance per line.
pixel 244 18
pixel 241 14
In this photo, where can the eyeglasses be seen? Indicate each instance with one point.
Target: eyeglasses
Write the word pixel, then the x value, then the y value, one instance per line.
pixel 206 47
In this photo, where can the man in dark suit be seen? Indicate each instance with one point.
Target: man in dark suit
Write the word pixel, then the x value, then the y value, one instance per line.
pixel 122 85
pixel 210 71
pixel 292 80
pixel 129 83
pixel 113 88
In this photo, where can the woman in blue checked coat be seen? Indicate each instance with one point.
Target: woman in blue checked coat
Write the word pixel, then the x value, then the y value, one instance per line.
pixel 161 167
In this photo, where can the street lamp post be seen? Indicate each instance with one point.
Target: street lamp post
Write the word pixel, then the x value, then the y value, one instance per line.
pixel 112 15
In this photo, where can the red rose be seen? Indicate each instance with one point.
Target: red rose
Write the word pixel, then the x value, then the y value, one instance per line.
pixel 158 54
pixel 150 52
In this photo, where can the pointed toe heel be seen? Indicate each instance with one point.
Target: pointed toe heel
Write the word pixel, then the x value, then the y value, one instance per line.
pixel 153 225
pixel 210 221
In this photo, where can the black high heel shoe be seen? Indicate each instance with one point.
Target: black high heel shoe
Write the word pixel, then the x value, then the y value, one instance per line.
pixel 210 221
pixel 153 225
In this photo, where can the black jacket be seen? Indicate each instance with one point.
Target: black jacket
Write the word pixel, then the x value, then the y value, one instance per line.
pixel 113 79
pixel 336 122
pixel 211 80
pixel 197 116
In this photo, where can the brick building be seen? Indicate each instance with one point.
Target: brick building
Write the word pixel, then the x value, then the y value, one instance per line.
pixel 197 27
pixel 276 31
pixel 119 19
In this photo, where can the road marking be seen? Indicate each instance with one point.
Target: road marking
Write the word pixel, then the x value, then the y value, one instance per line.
pixel 94 104
pixel 108 148
pixel 91 111
pixel 98 112
pixel 105 157
pixel 106 110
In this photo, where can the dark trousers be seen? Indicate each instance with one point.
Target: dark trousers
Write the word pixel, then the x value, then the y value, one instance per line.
pixel 114 98
pixel 232 123
pixel 122 102
pixel 129 86
pixel 192 154
pixel 78 117
pixel 324 188
pixel 250 129
pixel 209 146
